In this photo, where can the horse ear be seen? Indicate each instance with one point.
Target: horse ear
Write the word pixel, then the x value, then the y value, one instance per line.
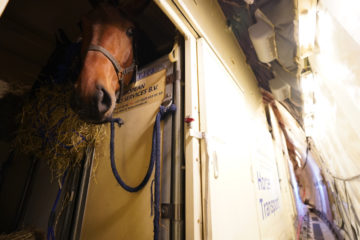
pixel 61 37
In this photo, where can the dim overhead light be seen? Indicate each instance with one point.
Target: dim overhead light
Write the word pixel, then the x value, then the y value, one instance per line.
pixel 307 31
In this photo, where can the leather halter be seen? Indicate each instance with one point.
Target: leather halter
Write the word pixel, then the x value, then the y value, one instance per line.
pixel 120 72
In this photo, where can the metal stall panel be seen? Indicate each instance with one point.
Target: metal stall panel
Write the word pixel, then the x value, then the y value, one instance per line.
pixel 193 211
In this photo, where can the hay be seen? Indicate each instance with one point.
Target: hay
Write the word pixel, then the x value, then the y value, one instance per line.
pixel 50 130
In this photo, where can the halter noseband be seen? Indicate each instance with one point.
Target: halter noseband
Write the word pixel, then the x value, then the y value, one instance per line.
pixel 120 72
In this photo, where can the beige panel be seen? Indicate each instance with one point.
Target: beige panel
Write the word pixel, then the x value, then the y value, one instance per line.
pixel 242 195
pixel 111 212
pixel 229 201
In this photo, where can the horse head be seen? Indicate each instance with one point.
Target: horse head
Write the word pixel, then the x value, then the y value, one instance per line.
pixel 107 54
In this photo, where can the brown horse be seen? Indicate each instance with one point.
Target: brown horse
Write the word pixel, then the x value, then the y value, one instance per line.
pixel 108 62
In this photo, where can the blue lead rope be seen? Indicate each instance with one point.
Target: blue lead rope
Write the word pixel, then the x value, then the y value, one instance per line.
pixel 155 158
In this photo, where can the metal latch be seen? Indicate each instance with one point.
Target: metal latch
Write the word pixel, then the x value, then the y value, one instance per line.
pixel 196 134
pixel 167 101
pixel 167 211
pixel 172 211
pixel 174 54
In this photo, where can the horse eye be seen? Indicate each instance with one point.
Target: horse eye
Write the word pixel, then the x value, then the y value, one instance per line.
pixel 130 32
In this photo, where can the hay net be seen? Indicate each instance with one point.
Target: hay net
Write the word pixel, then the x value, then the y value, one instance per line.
pixel 49 129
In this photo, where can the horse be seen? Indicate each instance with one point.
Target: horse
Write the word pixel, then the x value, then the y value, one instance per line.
pixel 108 60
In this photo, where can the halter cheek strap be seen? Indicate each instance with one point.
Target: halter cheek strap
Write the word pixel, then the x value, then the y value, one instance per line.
pixel 120 72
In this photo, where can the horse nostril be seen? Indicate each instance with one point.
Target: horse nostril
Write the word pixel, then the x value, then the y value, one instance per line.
pixel 104 100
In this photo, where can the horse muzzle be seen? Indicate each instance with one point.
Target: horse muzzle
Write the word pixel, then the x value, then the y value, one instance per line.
pixel 96 108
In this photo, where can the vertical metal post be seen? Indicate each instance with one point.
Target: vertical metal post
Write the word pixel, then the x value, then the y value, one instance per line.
pixel 165 224
pixel 178 183
pixel 26 190
pixel 82 194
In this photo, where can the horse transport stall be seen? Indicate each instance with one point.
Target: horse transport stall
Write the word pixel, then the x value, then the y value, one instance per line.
pixel 188 154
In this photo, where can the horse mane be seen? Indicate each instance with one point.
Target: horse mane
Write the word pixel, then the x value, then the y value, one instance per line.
pixel 63 65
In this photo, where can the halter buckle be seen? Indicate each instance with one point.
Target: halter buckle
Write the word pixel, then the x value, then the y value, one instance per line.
pixel 120 76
